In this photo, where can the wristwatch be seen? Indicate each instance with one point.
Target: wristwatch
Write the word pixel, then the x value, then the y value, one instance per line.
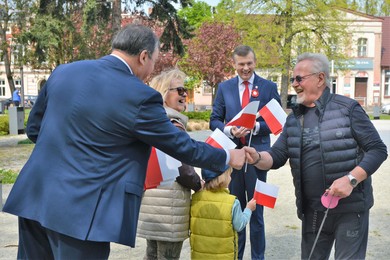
pixel 352 180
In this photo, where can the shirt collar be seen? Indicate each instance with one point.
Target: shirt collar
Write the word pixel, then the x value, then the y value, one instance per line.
pixel 240 80
pixel 123 62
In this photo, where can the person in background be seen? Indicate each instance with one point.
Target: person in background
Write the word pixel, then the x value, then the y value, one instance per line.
pixel 16 97
pixel 165 210
pixel 333 147
pixel 82 185
pixel 216 217
pixel 233 95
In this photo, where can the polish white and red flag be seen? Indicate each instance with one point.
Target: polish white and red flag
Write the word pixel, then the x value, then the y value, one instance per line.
pixel 219 140
pixel 162 169
pixel 247 116
pixel 265 194
pixel 274 116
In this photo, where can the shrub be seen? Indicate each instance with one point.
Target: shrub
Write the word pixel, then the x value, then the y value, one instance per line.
pixel 8 176
pixel 203 115
pixel 4 125
pixel 25 141
pixel 4 121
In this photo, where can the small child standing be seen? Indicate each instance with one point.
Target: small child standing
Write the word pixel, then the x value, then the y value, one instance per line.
pixel 216 217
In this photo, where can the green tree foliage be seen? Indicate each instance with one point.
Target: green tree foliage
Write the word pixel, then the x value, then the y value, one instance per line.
pixel 209 53
pixel 62 31
pixel 197 14
pixel 174 27
pixel 370 7
pixel 12 13
pixel 273 28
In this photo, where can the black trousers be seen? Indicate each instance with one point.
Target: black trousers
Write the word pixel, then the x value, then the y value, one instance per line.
pixel 348 231
pixel 37 242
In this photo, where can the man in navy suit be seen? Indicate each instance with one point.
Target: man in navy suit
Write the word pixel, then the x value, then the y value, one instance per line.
pixel 94 123
pixel 227 104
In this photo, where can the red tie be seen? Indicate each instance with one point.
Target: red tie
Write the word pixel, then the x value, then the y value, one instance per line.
pixel 244 102
pixel 245 95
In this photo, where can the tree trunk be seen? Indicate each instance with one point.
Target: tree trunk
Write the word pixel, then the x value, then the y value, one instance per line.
pixel 116 16
pixel 286 53
pixel 5 48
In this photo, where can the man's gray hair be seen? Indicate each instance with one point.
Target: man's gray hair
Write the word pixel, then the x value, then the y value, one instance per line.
pixel 320 64
pixel 134 38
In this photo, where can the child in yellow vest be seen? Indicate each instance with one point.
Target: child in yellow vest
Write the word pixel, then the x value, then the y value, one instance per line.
pixel 216 217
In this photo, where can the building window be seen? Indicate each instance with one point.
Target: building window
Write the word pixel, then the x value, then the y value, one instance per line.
pixel 2 87
pixel 387 87
pixel 17 82
pixel 362 47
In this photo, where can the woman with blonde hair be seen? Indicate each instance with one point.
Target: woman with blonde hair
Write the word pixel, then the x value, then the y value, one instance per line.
pixel 165 210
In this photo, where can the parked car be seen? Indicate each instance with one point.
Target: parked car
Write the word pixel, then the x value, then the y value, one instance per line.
pixel 29 101
pixel 5 104
pixel 385 109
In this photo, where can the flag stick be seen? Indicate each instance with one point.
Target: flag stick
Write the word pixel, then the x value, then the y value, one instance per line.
pixel 320 229
pixel 249 144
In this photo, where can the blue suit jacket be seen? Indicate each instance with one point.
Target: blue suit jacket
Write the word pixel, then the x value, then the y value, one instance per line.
pixel 227 105
pixel 94 124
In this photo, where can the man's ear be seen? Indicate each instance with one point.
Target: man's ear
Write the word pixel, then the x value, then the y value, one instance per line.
pixel 143 56
pixel 321 78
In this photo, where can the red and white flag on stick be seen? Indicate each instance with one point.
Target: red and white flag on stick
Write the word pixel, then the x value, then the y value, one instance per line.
pixel 265 194
pixel 219 140
pixel 162 169
pixel 274 116
pixel 247 116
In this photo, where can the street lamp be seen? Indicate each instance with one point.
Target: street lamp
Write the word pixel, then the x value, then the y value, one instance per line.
pixel 333 77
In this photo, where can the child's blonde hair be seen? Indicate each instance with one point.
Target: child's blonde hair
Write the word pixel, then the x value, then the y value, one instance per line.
pixel 222 181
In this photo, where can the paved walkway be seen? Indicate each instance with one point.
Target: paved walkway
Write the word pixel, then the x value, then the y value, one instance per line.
pixel 282 224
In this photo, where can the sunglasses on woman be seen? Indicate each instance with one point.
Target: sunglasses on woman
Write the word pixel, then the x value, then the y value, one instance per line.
pixel 180 90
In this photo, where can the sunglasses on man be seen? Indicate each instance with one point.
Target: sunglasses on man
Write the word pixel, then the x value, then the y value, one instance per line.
pixel 299 78
pixel 180 90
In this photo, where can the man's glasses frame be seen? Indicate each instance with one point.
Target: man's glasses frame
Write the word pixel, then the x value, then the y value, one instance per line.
pixel 180 90
pixel 299 78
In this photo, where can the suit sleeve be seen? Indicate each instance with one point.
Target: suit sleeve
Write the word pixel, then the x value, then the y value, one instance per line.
pixel 36 115
pixel 217 117
pixel 375 151
pixel 153 127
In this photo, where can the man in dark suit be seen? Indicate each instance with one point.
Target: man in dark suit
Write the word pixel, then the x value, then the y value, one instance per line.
pixel 94 123
pixel 228 103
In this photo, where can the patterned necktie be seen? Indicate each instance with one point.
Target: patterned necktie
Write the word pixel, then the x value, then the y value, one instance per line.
pixel 244 102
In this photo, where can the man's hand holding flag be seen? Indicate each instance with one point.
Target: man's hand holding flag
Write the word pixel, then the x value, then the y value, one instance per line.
pixel 246 118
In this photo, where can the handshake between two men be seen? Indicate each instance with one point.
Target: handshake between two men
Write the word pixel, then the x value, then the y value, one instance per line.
pixel 238 157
